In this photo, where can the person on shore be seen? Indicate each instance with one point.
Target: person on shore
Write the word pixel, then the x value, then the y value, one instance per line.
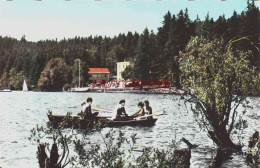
pixel 86 111
pixel 119 111
pixel 147 108
pixel 140 112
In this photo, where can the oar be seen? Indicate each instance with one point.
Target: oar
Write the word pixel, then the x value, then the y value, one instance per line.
pixel 101 109
pixel 156 113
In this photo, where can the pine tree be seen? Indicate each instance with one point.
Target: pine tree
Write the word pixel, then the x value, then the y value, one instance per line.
pixel 233 26
pixel 206 27
pixel 249 31
pixel 220 27
pixel 141 69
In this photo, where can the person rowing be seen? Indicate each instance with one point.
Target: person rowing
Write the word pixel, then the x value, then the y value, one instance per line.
pixel 140 112
pixel 119 113
pixel 147 108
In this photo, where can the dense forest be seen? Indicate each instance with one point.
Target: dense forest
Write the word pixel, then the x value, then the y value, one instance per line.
pixel 44 63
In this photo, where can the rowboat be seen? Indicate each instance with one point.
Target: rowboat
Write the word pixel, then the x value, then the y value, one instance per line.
pixel 70 121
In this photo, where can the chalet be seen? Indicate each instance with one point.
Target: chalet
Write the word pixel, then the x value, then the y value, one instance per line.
pixel 99 74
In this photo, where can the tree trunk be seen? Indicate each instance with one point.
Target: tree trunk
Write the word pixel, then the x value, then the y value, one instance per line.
pixel 222 139
pixel 221 155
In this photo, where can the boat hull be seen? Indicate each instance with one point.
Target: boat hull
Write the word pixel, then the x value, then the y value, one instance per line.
pixel 139 122
pixel 86 89
pixel 6 90
pixel 77 122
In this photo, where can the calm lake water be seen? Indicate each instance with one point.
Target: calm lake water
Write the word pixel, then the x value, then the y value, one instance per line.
pixel 20 112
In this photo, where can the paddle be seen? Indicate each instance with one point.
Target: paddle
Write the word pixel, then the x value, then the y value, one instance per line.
pixel 156 113
pixel 101 109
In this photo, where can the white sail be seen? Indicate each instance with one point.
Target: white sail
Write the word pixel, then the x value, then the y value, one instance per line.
pixel 25 88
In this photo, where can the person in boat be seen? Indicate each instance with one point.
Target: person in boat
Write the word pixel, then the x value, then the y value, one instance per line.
pixel 120 113
pixel 86 112
pixel 141 111
pixel 147 108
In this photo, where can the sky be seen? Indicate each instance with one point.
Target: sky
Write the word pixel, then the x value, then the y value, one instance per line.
pixel 51 19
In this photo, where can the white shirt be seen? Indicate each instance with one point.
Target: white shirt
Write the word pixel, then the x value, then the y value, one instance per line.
pixel 84 107
pixel 145 111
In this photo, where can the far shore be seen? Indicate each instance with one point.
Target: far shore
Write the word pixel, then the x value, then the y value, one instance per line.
pixel 170 90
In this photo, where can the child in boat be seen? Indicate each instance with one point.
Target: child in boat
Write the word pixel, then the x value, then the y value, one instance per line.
pixel 147 109
pixel 119 111
pixel 140 112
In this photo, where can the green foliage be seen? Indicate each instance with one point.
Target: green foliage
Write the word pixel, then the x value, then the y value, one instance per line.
pixel 115 155
pixel 116 151
pixel 16 79
pixel 59 140
pixel 128 73
pixel 55 75
pixel 219 77
pixel 215 69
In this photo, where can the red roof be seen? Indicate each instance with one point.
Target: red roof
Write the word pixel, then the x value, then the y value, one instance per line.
pixel 98 70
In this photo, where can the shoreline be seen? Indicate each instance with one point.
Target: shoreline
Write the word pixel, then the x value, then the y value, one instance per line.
pixel 138 91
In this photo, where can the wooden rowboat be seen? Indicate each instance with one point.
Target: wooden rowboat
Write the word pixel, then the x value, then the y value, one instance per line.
pixel 69 121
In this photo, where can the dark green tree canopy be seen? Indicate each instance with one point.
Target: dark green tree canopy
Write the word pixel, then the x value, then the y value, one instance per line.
pixel 55 75
pixel 141 69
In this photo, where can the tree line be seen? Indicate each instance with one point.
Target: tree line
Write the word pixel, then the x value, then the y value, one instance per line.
pixel 155 56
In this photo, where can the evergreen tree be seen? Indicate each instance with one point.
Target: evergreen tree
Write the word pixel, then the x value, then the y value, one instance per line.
pixel 35 71
pixel 220 27
pixel 180 32
pixel 207 27
pixel 250 33
pixel 233 26
pixel 141 69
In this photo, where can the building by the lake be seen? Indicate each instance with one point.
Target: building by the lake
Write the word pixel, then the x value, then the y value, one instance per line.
pixel 99 74
pixel 120 68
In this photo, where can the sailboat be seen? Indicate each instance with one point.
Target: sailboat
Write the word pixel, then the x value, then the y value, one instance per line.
pixel 79 89
pixel 25 88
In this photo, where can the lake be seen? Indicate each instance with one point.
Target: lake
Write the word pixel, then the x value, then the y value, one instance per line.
pixel 21 111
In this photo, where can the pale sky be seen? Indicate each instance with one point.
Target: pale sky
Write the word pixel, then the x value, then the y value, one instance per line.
pixel 51 19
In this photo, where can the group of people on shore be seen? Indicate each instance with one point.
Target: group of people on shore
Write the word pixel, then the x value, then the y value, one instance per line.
pixel 119 113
